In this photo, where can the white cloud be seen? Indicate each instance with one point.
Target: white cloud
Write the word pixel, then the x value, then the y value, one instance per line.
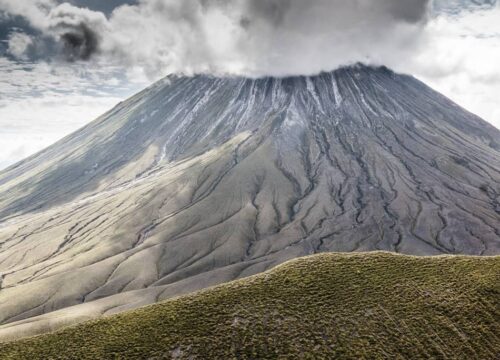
pixel 18 45
pixel 28 127
pixel 459 57
pixel 261 37
pixel 35 11
pixel 40 103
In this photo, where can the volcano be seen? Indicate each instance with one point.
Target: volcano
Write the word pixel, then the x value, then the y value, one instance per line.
pixel 200 180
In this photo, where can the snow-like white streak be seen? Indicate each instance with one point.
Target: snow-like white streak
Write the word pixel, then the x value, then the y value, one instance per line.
pixel 312 90
pixel 338 97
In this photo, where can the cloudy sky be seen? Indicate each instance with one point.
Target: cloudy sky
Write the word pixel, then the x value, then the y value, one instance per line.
pixel 63 63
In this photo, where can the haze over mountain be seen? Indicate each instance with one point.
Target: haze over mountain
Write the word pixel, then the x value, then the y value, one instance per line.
pixel 200 180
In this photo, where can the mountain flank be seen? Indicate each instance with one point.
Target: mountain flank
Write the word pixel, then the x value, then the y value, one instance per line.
pixel 197 181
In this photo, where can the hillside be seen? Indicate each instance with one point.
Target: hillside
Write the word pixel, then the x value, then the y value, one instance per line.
pixel 350 306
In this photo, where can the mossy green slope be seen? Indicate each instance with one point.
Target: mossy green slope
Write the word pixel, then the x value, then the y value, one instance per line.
pixel 351 306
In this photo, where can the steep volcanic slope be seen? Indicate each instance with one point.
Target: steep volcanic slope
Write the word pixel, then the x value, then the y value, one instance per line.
pixel 197 181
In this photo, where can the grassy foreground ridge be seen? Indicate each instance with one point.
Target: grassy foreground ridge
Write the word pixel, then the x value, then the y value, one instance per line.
pixel 352 306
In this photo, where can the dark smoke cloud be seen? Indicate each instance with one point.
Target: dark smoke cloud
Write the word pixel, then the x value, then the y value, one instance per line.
pixel 60 30
pixel 77 30
pixel 409 10
pixel 251 37
pixel 80 43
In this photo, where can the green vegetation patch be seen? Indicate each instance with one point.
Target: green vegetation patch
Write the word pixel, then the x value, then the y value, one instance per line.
pixel 349 306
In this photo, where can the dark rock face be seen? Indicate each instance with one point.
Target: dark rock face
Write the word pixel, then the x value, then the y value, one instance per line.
pixel 196 181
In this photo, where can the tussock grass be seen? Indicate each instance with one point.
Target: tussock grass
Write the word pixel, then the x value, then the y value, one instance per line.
pixel 349 306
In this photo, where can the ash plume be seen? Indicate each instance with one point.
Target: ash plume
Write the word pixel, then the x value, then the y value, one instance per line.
pixel 249 37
